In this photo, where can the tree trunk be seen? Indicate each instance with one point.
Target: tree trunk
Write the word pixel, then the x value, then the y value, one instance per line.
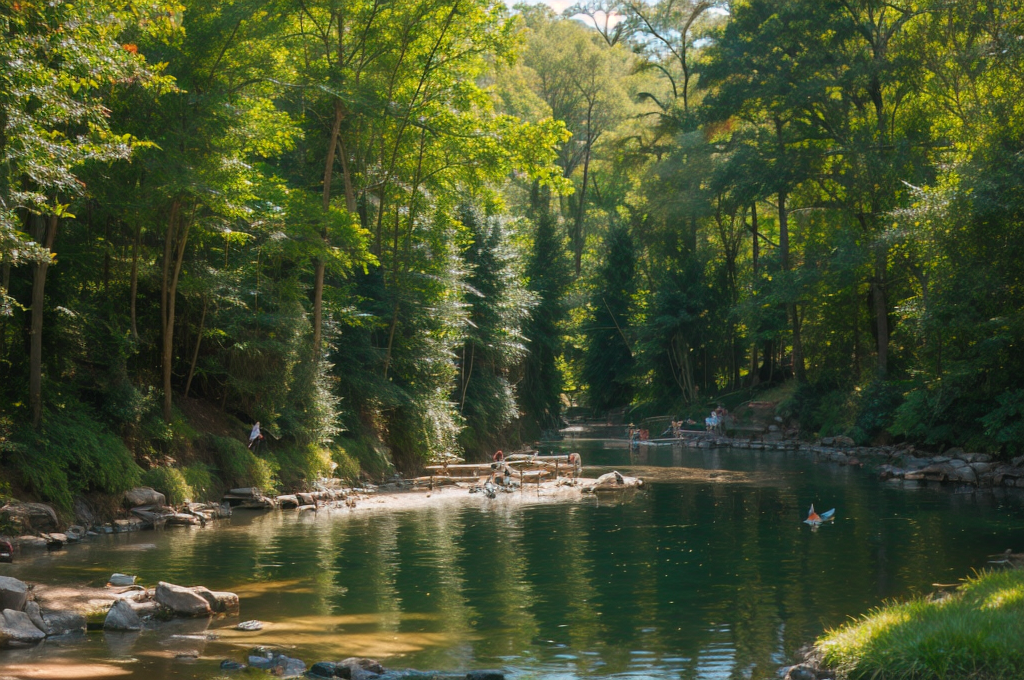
pixel 582 209
pixel 46 231
pixel 135 281
pixel 755 247
pixel 881 310
pixel 174 249
pixel 318 281
pixel 798 350
pixel 195 352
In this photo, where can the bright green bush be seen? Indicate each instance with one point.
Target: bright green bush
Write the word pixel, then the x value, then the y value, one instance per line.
pixel 346 467
pixel 170 482
pixel 238 465
pixel 300 465
pixel 975 633
pixel 202 480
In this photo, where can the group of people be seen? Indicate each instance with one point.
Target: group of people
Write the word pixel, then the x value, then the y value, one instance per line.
pixel 716 421
pixel 638 434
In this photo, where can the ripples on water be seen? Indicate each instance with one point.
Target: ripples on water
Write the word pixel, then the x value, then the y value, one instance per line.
pixel 708 573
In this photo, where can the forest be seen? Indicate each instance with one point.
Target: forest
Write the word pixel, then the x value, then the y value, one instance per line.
pixel 392 229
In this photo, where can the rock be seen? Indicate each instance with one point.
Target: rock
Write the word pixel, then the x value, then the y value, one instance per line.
pixel 181 519
pixel 219 601
pixel 357 668
pixel 182 601
pixel 964 474
pixel 122 617
pixel 323 669
pixel 940 459
pixel 956 463
pixel 144 609
pixel 17 629
pixel 288 501
pixel 250 626
pixel 63 622
pixel 121 580
pixel 981 468
pixel 83 512
pixel 35 616
pixel 306 498
pixel 31 542
pixel 802 673
pixel 31 516
pixel 485 675
pixel 13 593
pixel 229 665
pixel 260 662
pixel 288 667
pixel 843 442
pixel 144 495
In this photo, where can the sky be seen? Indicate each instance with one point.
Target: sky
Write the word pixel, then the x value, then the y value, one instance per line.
pixel 557 5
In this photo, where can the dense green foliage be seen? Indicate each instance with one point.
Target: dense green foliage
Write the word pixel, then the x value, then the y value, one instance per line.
pixel 389 230
pixel 973 634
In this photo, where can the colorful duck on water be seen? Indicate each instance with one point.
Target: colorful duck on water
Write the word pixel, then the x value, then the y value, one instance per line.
pixel 814 519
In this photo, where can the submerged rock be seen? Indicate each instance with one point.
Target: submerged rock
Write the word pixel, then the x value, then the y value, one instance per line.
pixel 485 675
pixel 252 625
pixel 122 617
pixel 229 665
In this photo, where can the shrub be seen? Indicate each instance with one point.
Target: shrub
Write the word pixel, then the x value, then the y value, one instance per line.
pixel 303 464
pixel 240 467
pixel 202 480
pixel 879 402
pixel 170 482
pixel 346 466
pixel 73 453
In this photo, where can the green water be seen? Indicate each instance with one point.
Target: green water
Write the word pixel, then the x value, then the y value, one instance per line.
pixel 708 573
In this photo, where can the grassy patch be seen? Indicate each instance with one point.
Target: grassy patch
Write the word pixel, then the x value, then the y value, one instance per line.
pixel 974 634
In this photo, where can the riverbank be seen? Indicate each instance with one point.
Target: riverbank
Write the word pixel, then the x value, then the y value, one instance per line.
pixel 968 630
pixel 37 526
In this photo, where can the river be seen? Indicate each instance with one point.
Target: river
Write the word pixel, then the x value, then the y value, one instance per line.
pixel 706 573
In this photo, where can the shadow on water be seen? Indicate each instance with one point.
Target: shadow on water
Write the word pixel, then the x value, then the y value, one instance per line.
pixel 707 573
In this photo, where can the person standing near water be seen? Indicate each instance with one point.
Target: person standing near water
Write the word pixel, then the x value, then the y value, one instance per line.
pixel 255 436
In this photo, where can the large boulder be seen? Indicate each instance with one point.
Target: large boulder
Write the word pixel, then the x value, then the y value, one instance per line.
pixel 31 516
pixel 122 617
pixel 63 622
pixel 182 601
pixel 144 495
pixel 219 601
pixel 17 629
pixel 13 593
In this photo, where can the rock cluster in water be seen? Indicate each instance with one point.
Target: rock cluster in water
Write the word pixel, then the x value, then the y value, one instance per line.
pixel 353 668
pixel 23 623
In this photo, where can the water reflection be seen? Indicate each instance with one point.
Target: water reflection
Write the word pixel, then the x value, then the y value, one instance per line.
pixel 708 573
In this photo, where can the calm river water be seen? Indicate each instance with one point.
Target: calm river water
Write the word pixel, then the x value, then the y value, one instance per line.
pixel 707 573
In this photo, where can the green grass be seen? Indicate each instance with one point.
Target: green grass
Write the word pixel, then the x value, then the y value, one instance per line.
pixel 976 633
